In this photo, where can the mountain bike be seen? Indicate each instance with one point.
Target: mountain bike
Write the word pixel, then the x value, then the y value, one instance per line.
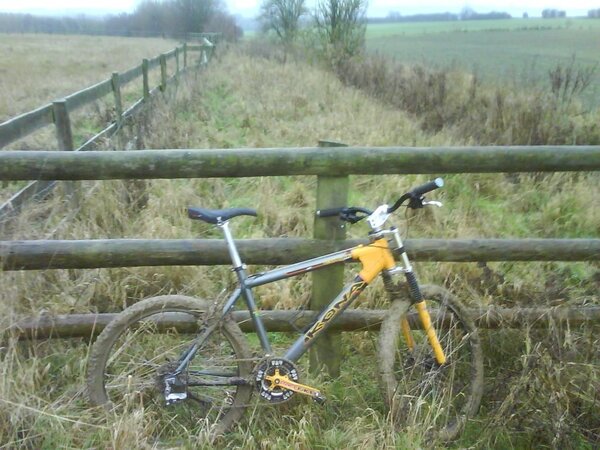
pixel 187 359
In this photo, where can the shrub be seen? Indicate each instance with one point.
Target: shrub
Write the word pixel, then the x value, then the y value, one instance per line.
pixel 458 102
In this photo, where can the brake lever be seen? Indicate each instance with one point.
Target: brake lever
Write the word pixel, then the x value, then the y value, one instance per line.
pixel 434 203
pixel 350 217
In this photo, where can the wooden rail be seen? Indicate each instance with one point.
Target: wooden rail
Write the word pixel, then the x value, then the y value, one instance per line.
pixel 152 164
pixel 89 95
pixel 25 124
pixel 90 254
pixel 89 325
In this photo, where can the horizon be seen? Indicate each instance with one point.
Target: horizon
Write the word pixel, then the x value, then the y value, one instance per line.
pixel 250 8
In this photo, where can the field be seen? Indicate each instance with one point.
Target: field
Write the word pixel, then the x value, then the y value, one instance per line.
pixel 36 69
pixel 408 28
pixel 517 51
pixel 541 385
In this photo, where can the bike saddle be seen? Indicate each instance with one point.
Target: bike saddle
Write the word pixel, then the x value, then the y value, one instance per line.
pixel 216 216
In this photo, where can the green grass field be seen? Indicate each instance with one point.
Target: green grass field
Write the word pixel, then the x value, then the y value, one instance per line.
pixel 518 50
pixel 407 28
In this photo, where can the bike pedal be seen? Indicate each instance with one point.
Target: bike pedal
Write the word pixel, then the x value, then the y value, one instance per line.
pixel 319 399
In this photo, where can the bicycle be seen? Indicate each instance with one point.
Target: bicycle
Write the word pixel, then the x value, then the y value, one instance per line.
pixel 429 375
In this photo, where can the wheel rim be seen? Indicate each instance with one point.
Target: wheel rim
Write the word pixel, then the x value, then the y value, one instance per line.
pixel 147 349
pixel 425 395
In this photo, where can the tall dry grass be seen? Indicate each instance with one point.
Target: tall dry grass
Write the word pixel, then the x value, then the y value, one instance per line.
pixel 37 69
pixel 452 100
pixel 540 386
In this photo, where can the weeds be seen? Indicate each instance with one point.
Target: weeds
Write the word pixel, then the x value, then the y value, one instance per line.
pixel 569 81
pixel 451 100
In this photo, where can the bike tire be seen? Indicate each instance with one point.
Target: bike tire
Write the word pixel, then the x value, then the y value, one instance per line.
pixel 124 364
pixel 420 394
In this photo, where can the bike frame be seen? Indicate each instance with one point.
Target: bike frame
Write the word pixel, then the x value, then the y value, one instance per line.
pixel 375 258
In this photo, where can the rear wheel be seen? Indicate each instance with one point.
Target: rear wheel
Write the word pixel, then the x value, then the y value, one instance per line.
pixel 136 352
pixel 417 390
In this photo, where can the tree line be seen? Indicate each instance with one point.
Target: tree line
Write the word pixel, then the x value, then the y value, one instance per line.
pixel 594 13
pixel 168 18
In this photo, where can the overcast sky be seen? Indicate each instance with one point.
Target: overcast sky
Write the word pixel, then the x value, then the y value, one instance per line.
pixel 376 7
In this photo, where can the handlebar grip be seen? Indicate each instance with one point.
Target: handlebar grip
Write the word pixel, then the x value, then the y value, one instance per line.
pixel 427 187
pixel 330 212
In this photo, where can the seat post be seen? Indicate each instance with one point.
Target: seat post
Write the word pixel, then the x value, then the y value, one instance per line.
pixel 233 253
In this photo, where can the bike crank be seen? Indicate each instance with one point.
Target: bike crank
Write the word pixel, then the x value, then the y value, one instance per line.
pixel 277 380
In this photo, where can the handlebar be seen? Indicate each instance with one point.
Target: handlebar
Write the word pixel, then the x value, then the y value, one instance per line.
pixel 415 197
pixel 428 187
pixel 345 213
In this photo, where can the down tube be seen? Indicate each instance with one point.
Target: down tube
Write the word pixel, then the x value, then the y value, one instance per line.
pixel 326 318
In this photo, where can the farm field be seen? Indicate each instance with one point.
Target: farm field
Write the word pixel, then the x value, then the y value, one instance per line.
pixel 516 51
pixel 407 28
pixel 37 69
pixel 541 385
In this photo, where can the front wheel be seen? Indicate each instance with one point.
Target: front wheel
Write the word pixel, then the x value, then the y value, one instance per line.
pixel 139 349
pixel 418 391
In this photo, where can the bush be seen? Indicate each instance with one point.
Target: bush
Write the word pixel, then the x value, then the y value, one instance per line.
pixel 341 26
pixel 457 102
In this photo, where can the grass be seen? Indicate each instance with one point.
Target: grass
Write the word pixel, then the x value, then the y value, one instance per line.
pixel 514 51
pixel 541 387
pixel 63 65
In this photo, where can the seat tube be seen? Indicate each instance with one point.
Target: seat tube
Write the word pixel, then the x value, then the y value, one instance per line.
pixel 238 268
pixel 233 252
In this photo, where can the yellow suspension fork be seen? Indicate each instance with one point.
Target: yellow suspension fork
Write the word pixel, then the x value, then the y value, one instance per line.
pixel 425 319
pixel 406 332
pixel 431 334
pixel 377 257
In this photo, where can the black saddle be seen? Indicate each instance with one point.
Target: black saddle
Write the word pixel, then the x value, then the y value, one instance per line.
pixel 216 216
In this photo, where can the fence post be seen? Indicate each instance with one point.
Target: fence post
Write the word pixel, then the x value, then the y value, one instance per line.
pixel 64 136
pixel 116 87
pixel 146 85
pixel 327 283
pixel 177 61
pixel 185 54
pixel 163 72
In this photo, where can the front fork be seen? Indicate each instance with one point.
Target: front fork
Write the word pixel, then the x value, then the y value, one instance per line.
pixel 424 317
pixel 419 302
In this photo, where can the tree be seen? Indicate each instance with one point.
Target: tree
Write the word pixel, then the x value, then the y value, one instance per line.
pixel 553 14
pixel 341 26
pixel 283 18
pixel 223 22
pixel 467 13
pixel 194 14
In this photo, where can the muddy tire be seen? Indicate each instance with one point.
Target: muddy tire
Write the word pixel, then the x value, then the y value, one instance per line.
pixel 417 391
pixel 127 359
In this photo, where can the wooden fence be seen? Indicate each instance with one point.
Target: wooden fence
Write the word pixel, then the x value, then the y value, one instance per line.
pixel 90 325
pixel 58 112
pixel 332 167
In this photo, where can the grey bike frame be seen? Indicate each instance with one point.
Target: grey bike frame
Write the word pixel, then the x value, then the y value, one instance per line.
pixel 246 283
pixel 341 302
